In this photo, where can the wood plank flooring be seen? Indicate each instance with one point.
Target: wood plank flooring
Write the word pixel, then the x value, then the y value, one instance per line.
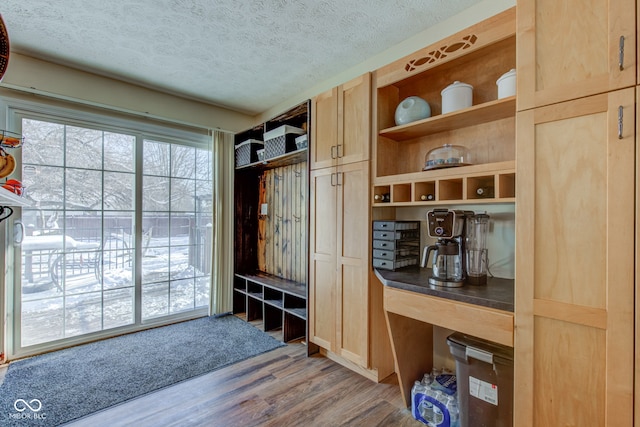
pixel 283 387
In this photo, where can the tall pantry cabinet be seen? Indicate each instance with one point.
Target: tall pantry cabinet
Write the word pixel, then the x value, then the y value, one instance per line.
pixel 575 216
pixel 341 312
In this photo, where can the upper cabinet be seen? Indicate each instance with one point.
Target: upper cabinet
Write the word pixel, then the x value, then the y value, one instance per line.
pixel 477 56
pixel 341 124
pixel 575 48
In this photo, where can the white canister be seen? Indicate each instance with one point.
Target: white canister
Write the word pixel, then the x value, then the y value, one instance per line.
pixel 456 96
pixel 507 84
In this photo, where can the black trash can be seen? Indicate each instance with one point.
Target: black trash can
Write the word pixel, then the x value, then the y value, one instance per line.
pixel 484 371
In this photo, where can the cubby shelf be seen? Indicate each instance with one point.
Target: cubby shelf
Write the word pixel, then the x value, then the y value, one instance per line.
pixel 453 185
pixel 475 115
pixel 280 303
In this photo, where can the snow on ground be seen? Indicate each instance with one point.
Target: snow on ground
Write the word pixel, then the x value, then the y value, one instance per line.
pixel 73 301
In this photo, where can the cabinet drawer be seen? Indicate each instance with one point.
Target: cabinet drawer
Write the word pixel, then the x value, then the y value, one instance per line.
pixel 396 254
pixel 396 244
pixel 382 254
pixel 392 265
pixel 396 235
pixel 384 244
pixel 396 225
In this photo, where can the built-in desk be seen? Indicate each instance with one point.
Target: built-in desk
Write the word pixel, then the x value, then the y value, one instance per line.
pixel 412 307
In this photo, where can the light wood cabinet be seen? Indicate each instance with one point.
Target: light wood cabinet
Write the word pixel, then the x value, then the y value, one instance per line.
pixel 339 264
pixel 637 260
pixel 323 257
pixel 342 124
pixel 345 303
pixel 571 49
pixel 576 149
pixel 574 331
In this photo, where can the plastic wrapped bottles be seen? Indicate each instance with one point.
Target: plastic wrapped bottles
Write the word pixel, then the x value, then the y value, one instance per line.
pixel 434 400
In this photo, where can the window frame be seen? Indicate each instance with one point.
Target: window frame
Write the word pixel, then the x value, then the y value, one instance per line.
pixel 143 128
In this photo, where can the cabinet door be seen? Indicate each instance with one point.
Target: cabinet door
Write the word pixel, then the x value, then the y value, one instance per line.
pixel 574 331
pixel 570 49
pixel 324 126
pixel 354 120
pixel 322 253
pixel 353 262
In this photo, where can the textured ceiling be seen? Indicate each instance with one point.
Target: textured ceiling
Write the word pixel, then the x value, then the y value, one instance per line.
pixel 247 55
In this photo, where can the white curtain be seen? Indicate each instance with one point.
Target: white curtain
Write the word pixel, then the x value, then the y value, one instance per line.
pixel 223 210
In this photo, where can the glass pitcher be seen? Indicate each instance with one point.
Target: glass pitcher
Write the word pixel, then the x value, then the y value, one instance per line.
pixel 476 229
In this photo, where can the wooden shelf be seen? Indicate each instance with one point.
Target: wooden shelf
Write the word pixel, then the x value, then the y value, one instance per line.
pixel 449 186
pixel 475 115
pixel 290 158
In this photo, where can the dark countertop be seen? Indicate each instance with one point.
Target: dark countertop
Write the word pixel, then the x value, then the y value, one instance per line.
pixel 497 293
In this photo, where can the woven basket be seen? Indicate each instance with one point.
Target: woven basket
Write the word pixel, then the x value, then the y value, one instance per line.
pixel 280 141
pixel 247 152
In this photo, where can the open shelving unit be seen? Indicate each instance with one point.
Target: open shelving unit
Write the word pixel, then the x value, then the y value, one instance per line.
pixel 486 129
pixel 279 303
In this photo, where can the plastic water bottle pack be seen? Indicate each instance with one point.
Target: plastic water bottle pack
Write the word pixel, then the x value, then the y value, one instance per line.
pixel 434 400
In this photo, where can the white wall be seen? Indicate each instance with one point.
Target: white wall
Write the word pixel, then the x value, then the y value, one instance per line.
pixel 27 74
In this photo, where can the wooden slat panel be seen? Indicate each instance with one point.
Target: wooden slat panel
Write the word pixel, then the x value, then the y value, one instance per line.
pixel 282 240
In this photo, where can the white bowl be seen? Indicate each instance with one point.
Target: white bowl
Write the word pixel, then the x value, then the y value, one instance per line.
pixel 411 109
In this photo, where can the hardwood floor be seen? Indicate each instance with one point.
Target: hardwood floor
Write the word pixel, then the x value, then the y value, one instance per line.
pixel 283 387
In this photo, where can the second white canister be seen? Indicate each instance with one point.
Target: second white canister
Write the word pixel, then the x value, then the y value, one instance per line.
pixel 507 84
pixel 456 96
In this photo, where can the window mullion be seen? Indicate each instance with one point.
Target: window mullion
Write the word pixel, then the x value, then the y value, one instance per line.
pixel 137 266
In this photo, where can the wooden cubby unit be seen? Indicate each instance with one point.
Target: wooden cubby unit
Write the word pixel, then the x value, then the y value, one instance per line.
pixel 477 56
pixel 452 186
pixel 279 303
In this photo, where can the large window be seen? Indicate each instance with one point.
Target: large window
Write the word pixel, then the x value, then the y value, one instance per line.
pixel 119 230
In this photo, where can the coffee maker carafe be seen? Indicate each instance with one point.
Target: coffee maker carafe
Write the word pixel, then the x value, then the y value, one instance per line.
pixel 447 266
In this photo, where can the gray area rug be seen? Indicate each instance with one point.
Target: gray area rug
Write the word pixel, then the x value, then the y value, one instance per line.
pixel 58 387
